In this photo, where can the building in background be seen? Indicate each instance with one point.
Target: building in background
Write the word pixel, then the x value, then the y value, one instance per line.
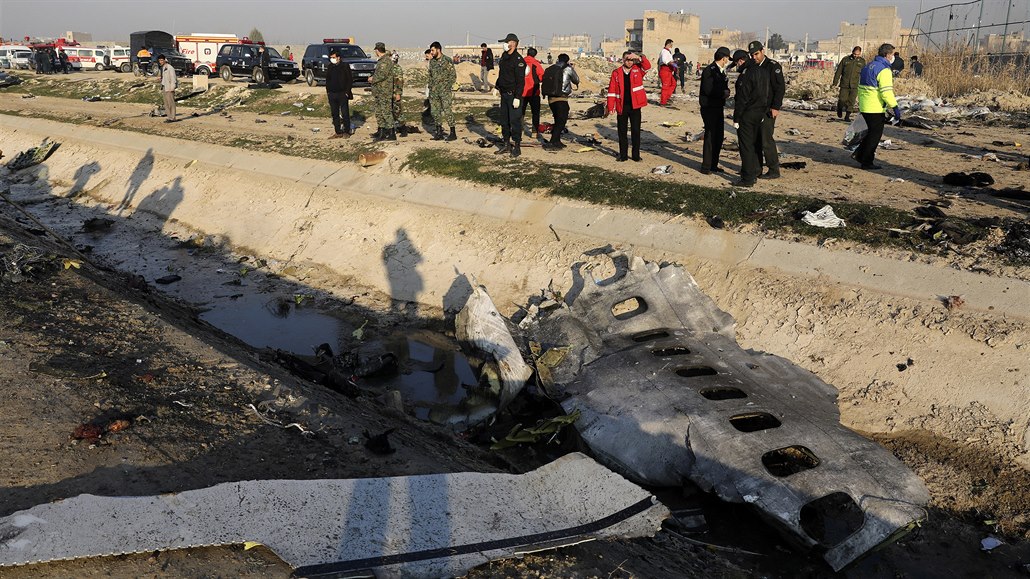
pixel 575 45
pixel 80 37
pixel 648 34
pixel 882 25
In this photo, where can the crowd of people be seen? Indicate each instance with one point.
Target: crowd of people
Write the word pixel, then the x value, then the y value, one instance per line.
pixel 48 60
pixel 522 82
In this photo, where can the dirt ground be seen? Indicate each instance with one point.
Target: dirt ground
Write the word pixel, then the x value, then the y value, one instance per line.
pixel 89 348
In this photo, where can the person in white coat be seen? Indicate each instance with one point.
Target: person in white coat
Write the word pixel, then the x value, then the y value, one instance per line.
pixel 169 83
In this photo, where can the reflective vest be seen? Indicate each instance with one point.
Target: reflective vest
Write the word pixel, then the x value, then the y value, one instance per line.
pixel 876 87
pixel 636 84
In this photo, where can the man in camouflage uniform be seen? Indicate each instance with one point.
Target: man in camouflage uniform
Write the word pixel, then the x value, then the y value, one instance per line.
pixel 382 81
pixel 441 85
pixel 397 105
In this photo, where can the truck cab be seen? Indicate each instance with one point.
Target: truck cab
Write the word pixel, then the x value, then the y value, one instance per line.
pixel 202 49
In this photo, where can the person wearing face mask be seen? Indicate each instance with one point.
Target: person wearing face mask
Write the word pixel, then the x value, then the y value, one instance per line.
pixel 875 98
pixel 626 97
pixel 338 82
pixel 511 81
pixel 750 108
pixel 715 89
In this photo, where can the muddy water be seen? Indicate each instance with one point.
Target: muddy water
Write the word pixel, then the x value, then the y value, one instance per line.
pixel 241 296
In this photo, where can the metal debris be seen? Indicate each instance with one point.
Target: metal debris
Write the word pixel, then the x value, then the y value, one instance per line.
pixel 437 525
pixel 33 156
pixel 667 395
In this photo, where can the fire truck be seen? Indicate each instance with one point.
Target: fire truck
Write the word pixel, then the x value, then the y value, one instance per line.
pixel 202 49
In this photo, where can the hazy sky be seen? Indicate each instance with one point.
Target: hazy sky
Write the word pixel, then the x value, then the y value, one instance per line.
pixel 406 23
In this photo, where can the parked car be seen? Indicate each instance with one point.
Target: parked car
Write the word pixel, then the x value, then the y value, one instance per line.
pixel 316 60
pixel 242 59
pixel 120 60
pixel 81 57
pixel 15 56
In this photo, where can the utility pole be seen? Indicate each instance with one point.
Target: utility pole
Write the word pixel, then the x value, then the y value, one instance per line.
pixel 979 19
pixel 467 39
pixel 1005 35
pixel 806 45
pixel 766 36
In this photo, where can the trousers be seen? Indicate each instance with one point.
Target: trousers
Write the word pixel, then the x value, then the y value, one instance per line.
pixel 866 152
pixel 629 119
pixel 767 153
pixel 715 134
pixel 511 119
pixel 169 104
pixel 560 111
pixel 533 102
pixel 339 106
pixel 749 139
pixel 668 83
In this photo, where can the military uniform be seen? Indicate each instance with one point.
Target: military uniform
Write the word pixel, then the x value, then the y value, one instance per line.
pixel 441 90
pixel 382 81
pixel 767 153
pixel 397 103
pixel 750 112
pixel 847 76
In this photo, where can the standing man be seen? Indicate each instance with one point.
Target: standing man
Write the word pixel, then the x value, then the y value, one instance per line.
pixel 169 83
pixel 667 73
pixel 63 59
pixel 916 66
pixel 681 67
pixel 265 61
pixel 750 112
pixel 486 64
pixel 715 89
pixel 549 58
pixel 847 76
pixel 397 104
pixel 559 104
pixel 511 81
pixel 626 97
pixel 143 60
pixel 897 64
pixel 777 87
pixel 287 53
pixel 382 94
pixel 876 97
pixel 441 87
pixel 338 84
pixel 531 91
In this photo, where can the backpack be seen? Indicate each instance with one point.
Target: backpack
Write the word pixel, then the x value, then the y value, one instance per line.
pixel 553 81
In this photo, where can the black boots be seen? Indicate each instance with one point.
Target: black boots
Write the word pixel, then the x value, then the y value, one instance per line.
pixel 516 150
pixel 385 135
pixel 504 150
pixel 438 133
pixel 402 131
pixel 840 111
pixel 378 135
pixel 453 136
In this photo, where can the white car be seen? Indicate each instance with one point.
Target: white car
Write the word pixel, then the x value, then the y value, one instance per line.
pixel 13 56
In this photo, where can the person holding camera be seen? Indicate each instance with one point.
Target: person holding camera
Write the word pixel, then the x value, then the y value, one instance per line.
pixel 626 97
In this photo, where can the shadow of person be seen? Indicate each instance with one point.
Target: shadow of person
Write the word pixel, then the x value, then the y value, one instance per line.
pixel 458 294
pixel 139 175
pixel 162 202
pixel 82 176
pixel 401 259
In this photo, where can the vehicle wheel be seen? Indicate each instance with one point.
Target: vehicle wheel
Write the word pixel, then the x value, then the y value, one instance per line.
pixel 126 67
pixel 258 75
pixel 226 73
pixel 100 66
pixel 135 69
pixel 203 71
pixel 155 69
pixel 309 77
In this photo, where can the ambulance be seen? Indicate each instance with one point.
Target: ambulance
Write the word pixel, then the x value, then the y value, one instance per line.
pixel 202 49
pixel 87 58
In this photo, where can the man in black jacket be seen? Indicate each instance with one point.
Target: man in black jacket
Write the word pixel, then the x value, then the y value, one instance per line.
pixel 715 89
pixel 338 84
pixel 264 61
pixel 511 80
pixel 777 86
pixel 751 105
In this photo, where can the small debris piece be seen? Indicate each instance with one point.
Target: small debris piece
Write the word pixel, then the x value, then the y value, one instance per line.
pixel 33 156
pixel 662 170
pixel 968 180
pixel 930 212
pixel 97 224
pixel 990 543
pixel 548 428
pixel 795 165
pixel 716 222
pixel 88 432
pixel 953 302
pixel 167 279
pixel 794 132
pixel 369 159
pixel 823 218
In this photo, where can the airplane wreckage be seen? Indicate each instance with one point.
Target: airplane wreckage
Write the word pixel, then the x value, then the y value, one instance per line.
pixel 661 394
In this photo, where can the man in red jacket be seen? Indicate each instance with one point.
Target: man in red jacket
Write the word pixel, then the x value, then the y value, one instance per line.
pixel 531 93
pixel 626 97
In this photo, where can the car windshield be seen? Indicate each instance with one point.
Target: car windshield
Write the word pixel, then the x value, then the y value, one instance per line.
pixel 22 54
pixel 348 51
pixel 170 52
pixel 272 53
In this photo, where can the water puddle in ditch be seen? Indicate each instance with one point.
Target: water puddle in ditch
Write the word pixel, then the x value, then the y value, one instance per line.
pixel 240 296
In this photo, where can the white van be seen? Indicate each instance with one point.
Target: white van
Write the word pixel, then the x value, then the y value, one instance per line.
pixel 119 58
pixel 81 57
pixel 15 56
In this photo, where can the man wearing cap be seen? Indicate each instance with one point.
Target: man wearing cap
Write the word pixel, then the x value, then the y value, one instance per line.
pixel 441 85
pixel 511 81
pixel 715 89
pixel 777 86
pixel 751 105
pixel 382 81
pixel 338 86
pixel 168 85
